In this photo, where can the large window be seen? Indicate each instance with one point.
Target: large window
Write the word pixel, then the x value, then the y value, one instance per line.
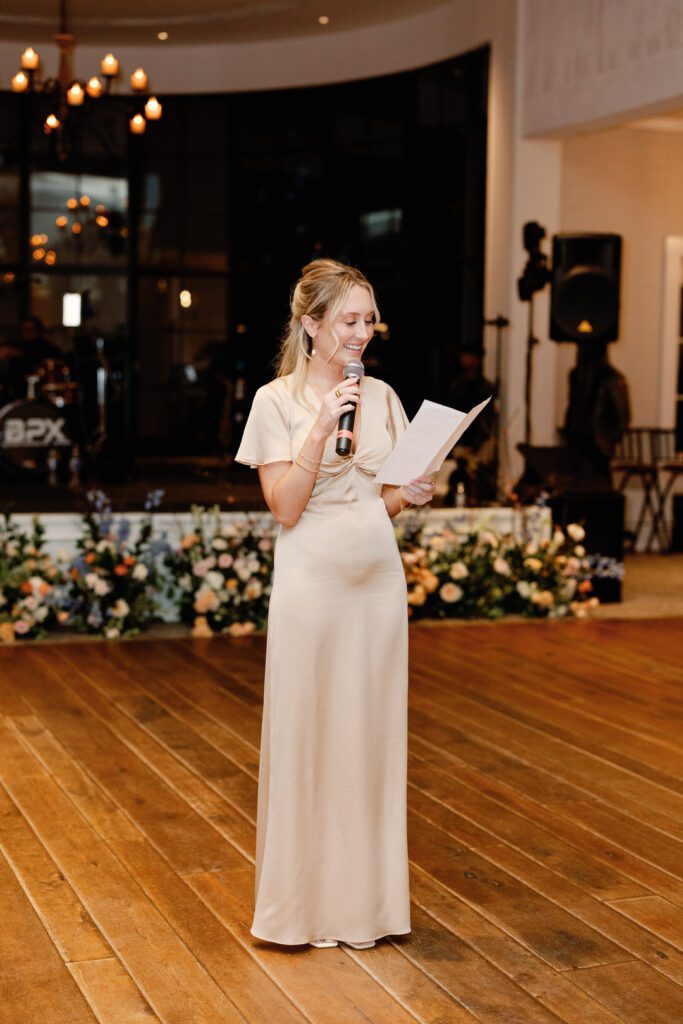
pixel 206 220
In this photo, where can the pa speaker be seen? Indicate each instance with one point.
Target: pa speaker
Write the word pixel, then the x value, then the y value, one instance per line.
pixel 584 299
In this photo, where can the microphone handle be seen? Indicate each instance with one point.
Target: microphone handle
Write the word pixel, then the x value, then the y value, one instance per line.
pixel 345 432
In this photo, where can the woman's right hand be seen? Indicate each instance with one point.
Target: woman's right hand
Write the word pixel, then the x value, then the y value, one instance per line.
pixel 334 405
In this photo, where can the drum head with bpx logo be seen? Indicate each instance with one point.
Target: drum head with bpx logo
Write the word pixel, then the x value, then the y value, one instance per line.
pixel 28 431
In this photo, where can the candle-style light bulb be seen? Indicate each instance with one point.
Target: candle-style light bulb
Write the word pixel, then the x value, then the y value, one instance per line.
pixel 20 82
pixel 138 124
pixel 52 123
pixel 110 66
pixel 94 88
pixel 153 109
pixel 29 59
pixel 75 95
pixel 139 80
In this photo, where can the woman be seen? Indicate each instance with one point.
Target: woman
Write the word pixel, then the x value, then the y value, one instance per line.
pixel 331 848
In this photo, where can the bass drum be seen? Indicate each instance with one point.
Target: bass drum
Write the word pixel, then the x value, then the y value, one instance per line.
pixel 29 430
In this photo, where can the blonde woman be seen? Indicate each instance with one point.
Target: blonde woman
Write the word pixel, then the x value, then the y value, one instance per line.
pixel 331 848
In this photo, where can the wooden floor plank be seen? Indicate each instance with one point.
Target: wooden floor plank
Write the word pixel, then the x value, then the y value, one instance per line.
pixel 635 994
pixel 64 917
pixel 111 993
pixel 545 832
pixel 35 984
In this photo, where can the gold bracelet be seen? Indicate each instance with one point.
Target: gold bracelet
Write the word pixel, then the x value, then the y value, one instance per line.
pixel 301 466
pixel 307 458
pixel 401 506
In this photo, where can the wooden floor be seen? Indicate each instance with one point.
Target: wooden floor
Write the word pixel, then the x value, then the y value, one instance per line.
pixel 545 833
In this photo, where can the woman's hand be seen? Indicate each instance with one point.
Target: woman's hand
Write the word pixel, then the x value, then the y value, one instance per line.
pixel 419 491
pixel 333 405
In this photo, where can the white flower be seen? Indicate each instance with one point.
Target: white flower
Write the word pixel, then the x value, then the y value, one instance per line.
pixel 558 537
pixel 579 551
pixel 214 579
pixel 535 564
pixel 105 545
pixel 30 602
pixel 120 609
pixel 576 532
pixel 543 598
pixel 450 592
pixel 91 579
pixel 458 571
pixel 185 582
pixel 486 537
pixel 41 613
pixel 253 590
pixel 140 572
pixel 524 589
pixel 62 555
pixel 501 567
pixel 101 587
pixel 229 531
pixel 437 543
pixel 218 544
pixel 112 633
pixel 532 548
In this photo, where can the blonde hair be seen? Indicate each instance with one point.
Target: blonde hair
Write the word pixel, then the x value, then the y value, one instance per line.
pixel 320 293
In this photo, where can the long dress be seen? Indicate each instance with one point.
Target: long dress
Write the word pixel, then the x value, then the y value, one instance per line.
pixel 331 836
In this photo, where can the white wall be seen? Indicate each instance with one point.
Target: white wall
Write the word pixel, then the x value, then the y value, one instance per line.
pixel 628 181
pixel 598 62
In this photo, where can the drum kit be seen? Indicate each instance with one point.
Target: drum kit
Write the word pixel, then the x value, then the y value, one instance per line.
pixel 38 431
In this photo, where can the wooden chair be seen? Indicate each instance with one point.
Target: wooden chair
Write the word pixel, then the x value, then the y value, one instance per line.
pixel 669 463
pixel 634 458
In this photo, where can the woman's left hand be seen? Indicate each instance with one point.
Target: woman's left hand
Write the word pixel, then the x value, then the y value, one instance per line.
pixel 419 491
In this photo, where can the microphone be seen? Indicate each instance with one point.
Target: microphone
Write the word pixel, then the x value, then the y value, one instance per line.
pixel 354 368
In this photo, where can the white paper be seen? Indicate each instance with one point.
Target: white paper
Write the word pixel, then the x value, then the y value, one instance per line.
pixel 430 436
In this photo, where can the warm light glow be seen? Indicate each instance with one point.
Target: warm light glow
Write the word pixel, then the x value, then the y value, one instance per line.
pixel 185 299
pixel 52 122
pixel 110 66
pixel 62 222
pixel 51 257
pixel 139 80
pixel 241 328
pixel 100 208
pixel 71 309
pixel 20 82
pixel 163 36
pixel 75 95
pixel 102 221
pixel 72 203
pixel 29 59
pixel 85 200
pixel 38 254
pixel 153 109
pixel 124 232
pixel 8 278
pixel 94 88
pixel 323 19
pixel 76 227
pixel 137 124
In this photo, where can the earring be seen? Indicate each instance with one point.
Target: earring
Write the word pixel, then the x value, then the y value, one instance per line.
pixel 312 350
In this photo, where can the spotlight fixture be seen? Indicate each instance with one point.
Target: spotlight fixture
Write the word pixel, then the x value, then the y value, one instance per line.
pixel 323 20
pixel 163 36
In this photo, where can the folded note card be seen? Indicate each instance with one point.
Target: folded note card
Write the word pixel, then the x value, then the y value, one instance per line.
pixel 422 448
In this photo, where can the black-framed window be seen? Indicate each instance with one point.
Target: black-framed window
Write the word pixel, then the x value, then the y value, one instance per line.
pixel 213 212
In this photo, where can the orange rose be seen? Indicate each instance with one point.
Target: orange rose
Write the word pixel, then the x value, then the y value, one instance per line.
pixel 44 588
pixel 129 560
pixel 73 573
pixel 585 587
pixel 26 587
pixel 231 584
pixel 120 570
pixel 90 557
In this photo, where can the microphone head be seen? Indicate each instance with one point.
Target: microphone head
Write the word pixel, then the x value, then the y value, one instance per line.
pixel 354 368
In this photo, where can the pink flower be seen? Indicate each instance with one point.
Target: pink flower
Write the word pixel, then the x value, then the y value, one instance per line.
pixel 225 560
pixel 264 544
pixel 21 627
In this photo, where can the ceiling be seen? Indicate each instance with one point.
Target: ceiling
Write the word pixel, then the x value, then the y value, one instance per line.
pixel 103 23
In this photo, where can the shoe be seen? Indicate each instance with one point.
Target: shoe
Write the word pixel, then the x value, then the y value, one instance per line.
pixel 359 945
pixel 323 943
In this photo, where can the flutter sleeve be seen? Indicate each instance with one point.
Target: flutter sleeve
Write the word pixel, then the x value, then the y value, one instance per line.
pixel 397 421
pixel 266 436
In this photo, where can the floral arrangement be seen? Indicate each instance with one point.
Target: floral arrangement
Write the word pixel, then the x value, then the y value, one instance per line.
pixel 485 575
pixel 223 573
pixel 29 580
pixel 113 583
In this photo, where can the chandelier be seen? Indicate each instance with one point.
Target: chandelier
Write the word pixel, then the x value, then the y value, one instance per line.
pixel 68 93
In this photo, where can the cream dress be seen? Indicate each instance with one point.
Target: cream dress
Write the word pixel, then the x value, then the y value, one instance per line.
pixel 331 842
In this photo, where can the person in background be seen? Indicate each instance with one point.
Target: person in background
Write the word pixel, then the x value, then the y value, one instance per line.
pixel 599 409
pixel 475 454
pixel 25 357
